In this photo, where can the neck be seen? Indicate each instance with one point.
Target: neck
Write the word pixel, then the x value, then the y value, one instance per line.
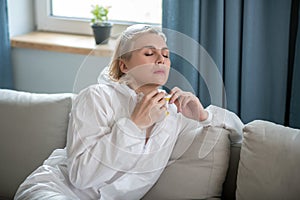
pixel 145 89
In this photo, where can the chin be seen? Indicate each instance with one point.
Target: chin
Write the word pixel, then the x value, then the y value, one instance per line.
pixel 157 82
pixel 160 82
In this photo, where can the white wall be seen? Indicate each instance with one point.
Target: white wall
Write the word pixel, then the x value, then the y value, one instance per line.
pixel 52 72
pixel 20 16
pixel 46 71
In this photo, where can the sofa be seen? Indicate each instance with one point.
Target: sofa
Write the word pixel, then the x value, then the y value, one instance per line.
pixel 266 165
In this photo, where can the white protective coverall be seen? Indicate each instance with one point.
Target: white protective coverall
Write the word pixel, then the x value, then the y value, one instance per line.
pixel 106 156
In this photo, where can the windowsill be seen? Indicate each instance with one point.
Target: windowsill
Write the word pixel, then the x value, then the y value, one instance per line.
pixel 62 42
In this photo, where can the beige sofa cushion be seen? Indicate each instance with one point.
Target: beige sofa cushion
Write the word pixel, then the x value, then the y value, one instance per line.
pixel 269 165
pixel 194 175
pixel 32 125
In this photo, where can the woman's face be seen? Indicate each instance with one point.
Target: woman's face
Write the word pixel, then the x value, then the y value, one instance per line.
pixel 149 63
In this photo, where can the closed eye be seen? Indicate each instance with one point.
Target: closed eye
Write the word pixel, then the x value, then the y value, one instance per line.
pixel 165 52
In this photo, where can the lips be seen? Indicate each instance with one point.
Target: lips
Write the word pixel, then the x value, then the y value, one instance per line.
pixel 160 71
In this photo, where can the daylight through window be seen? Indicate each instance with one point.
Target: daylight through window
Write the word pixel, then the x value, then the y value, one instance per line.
pixel 140 11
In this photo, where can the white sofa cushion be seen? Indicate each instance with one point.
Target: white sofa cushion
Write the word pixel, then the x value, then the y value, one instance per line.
pixel 32 125
pixel 269 165
pixel 194 177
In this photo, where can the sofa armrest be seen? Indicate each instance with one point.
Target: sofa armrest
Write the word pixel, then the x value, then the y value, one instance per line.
pixel 31 127
pixel 269 162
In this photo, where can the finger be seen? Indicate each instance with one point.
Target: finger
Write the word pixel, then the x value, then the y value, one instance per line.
pixel 159 97
pixel 162 102
pixel 185 101
pixel 175 89
pixel 157 101
pixel 175 96
pixel 153 97
pixel 165 110
pixel 151 94
pixel 178 105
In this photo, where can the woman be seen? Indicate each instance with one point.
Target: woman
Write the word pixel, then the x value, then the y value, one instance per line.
pixel 122 131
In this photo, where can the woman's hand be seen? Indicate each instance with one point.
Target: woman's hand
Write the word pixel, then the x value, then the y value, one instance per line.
pixel 188 104
pixel 149 110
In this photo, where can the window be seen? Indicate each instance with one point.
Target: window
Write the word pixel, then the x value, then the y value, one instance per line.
pixel 73 16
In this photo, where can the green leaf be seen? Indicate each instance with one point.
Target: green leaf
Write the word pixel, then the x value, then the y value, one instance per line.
pixel 99 13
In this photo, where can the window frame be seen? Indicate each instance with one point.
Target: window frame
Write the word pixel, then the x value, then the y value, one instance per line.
pixel 46 22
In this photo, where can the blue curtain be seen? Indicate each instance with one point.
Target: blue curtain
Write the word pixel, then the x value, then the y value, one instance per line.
pixel 5 57
pixel 255 46
pixel 293 117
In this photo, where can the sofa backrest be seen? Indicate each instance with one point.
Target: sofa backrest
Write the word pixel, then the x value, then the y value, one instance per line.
pixel 31 127
pixel 200 172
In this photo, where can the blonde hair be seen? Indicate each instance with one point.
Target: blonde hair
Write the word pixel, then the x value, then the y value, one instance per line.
pixel 124 47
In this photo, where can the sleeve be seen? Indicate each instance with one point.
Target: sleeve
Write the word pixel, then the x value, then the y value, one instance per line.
pixel 217 117
pixel 220 117
pixel 130 186
pixel 98 145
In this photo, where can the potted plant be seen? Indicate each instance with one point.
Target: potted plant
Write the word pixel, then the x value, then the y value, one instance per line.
pixel 100 24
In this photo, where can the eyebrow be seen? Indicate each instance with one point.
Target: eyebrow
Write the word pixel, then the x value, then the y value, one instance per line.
pixel 153 47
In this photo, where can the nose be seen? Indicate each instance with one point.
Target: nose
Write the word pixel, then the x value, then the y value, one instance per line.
pixel 160 59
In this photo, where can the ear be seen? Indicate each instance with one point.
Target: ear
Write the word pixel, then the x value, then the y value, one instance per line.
pixel 123 66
